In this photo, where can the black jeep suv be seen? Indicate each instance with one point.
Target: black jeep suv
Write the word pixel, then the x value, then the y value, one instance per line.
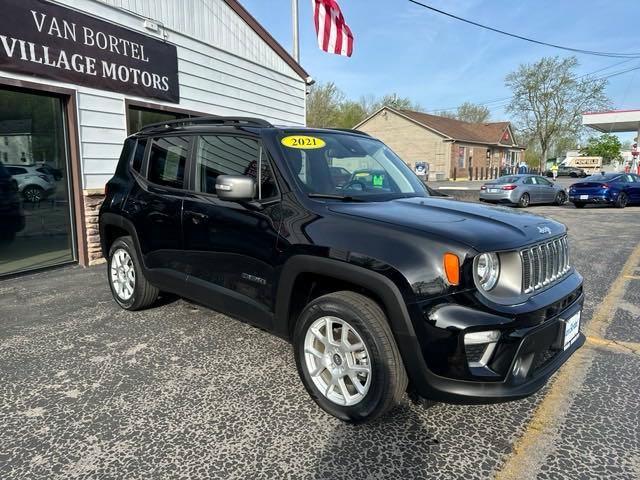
pixel 381 288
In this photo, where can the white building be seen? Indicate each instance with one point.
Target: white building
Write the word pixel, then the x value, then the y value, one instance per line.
pixel 87 73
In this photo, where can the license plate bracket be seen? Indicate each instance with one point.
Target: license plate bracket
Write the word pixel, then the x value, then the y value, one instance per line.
pixel 584 197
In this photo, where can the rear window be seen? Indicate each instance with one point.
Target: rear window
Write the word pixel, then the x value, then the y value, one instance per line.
pixel 607 177
pixel 167 161
pixel 502 180
pixel 16 170
pixel 138 154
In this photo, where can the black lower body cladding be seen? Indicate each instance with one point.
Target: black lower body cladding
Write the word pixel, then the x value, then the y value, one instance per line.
pixel 531 347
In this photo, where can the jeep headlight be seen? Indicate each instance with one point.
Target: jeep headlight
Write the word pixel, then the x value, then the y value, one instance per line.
pixel 487 270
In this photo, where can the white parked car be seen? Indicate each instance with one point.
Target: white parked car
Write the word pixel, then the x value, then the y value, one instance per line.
pixel 33 185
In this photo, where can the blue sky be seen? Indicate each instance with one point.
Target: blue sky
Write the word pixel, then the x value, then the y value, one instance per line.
pixel 441 62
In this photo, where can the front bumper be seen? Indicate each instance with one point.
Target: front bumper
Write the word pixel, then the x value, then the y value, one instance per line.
pixel 528 353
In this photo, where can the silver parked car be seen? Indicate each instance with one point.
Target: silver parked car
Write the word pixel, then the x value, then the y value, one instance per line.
pixel 33 184
pixel 523 190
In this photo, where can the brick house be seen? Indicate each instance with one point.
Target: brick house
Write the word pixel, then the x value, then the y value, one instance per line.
pixel 450 147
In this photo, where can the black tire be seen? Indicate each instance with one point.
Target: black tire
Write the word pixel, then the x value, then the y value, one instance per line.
pixel 578 204
pixel 622 200
pixel 573 175
pixel 144 294
pixel 33 194
pixel 524 201
pixel 388 376
pixel 561 199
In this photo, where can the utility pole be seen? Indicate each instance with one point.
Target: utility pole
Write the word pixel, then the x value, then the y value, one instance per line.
pixel 296 31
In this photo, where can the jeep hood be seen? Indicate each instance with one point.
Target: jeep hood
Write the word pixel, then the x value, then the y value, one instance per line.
pixel 482 227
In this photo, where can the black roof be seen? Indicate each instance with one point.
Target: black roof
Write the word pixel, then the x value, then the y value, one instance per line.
pixel 220 121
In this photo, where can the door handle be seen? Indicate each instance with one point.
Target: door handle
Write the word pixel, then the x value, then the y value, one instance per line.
pixel 198 218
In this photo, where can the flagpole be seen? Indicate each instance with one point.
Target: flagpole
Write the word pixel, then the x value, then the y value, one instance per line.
pixel 296 30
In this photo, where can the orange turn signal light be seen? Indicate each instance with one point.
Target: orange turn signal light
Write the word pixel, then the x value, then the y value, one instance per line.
pixel 452 268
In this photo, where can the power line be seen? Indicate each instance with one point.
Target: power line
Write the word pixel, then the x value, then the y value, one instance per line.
pixel 502 32
pixel 505 100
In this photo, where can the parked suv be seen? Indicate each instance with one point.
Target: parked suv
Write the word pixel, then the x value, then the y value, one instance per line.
pixel 566 171
pixel 33 184
pixel 381 288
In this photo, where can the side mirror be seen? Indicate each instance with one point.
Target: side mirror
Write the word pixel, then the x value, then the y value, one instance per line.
pixel 235 188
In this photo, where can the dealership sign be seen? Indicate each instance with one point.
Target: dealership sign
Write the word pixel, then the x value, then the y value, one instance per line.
pixel 45 40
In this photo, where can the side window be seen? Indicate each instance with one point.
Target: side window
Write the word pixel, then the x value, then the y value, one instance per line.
pixel 138 154
pixel 231 155
pixel 167 161
pixel 543 181
pixel 528 181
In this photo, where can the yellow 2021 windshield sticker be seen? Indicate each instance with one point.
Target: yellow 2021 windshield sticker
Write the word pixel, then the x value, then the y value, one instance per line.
pixel 303 141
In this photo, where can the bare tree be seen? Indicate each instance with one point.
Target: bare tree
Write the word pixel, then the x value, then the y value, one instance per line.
pixel 370 103
pixel 549 99
pixel 468 112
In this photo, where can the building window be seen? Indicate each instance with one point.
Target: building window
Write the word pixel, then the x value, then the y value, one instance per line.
pixel 461 154
pixel 139 117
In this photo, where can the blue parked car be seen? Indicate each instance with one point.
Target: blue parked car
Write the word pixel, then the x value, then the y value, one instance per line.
pixel 618 189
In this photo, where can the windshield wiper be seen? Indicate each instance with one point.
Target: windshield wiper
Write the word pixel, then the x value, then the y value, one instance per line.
pixel 331 196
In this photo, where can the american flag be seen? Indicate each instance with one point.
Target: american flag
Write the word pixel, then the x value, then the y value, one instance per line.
pixel 334 35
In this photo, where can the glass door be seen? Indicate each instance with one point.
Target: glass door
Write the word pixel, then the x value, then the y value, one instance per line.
pixel 36 226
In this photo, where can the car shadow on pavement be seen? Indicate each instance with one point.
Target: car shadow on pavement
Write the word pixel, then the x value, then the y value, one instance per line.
pixel 398 445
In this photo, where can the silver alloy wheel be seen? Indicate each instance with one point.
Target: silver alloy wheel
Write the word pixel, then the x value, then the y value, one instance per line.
pixel 123 274
pixel 337 360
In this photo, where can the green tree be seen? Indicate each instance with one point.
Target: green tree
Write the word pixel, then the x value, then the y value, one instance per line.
pixel 351 113
pixel 323 105
pixel 606 146
pixel 549 98
pixel 328 106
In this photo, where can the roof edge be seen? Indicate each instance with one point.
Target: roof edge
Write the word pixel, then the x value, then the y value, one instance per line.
pixel 406 117
pixel 267 37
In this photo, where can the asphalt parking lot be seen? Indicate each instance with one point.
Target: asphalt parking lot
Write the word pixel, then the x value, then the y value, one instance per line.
pixel 91 391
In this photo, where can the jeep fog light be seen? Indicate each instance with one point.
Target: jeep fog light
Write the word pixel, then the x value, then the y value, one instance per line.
pixel 479 347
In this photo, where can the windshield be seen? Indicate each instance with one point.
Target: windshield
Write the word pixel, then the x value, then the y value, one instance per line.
pixel 344 165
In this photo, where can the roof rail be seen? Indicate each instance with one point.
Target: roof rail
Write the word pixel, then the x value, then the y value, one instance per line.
pixel 351 130
pixel 213 120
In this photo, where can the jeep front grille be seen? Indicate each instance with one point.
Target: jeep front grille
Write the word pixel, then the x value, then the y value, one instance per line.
pixel 544 263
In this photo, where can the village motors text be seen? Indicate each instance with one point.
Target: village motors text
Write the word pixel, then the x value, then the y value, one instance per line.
pixel 41 54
